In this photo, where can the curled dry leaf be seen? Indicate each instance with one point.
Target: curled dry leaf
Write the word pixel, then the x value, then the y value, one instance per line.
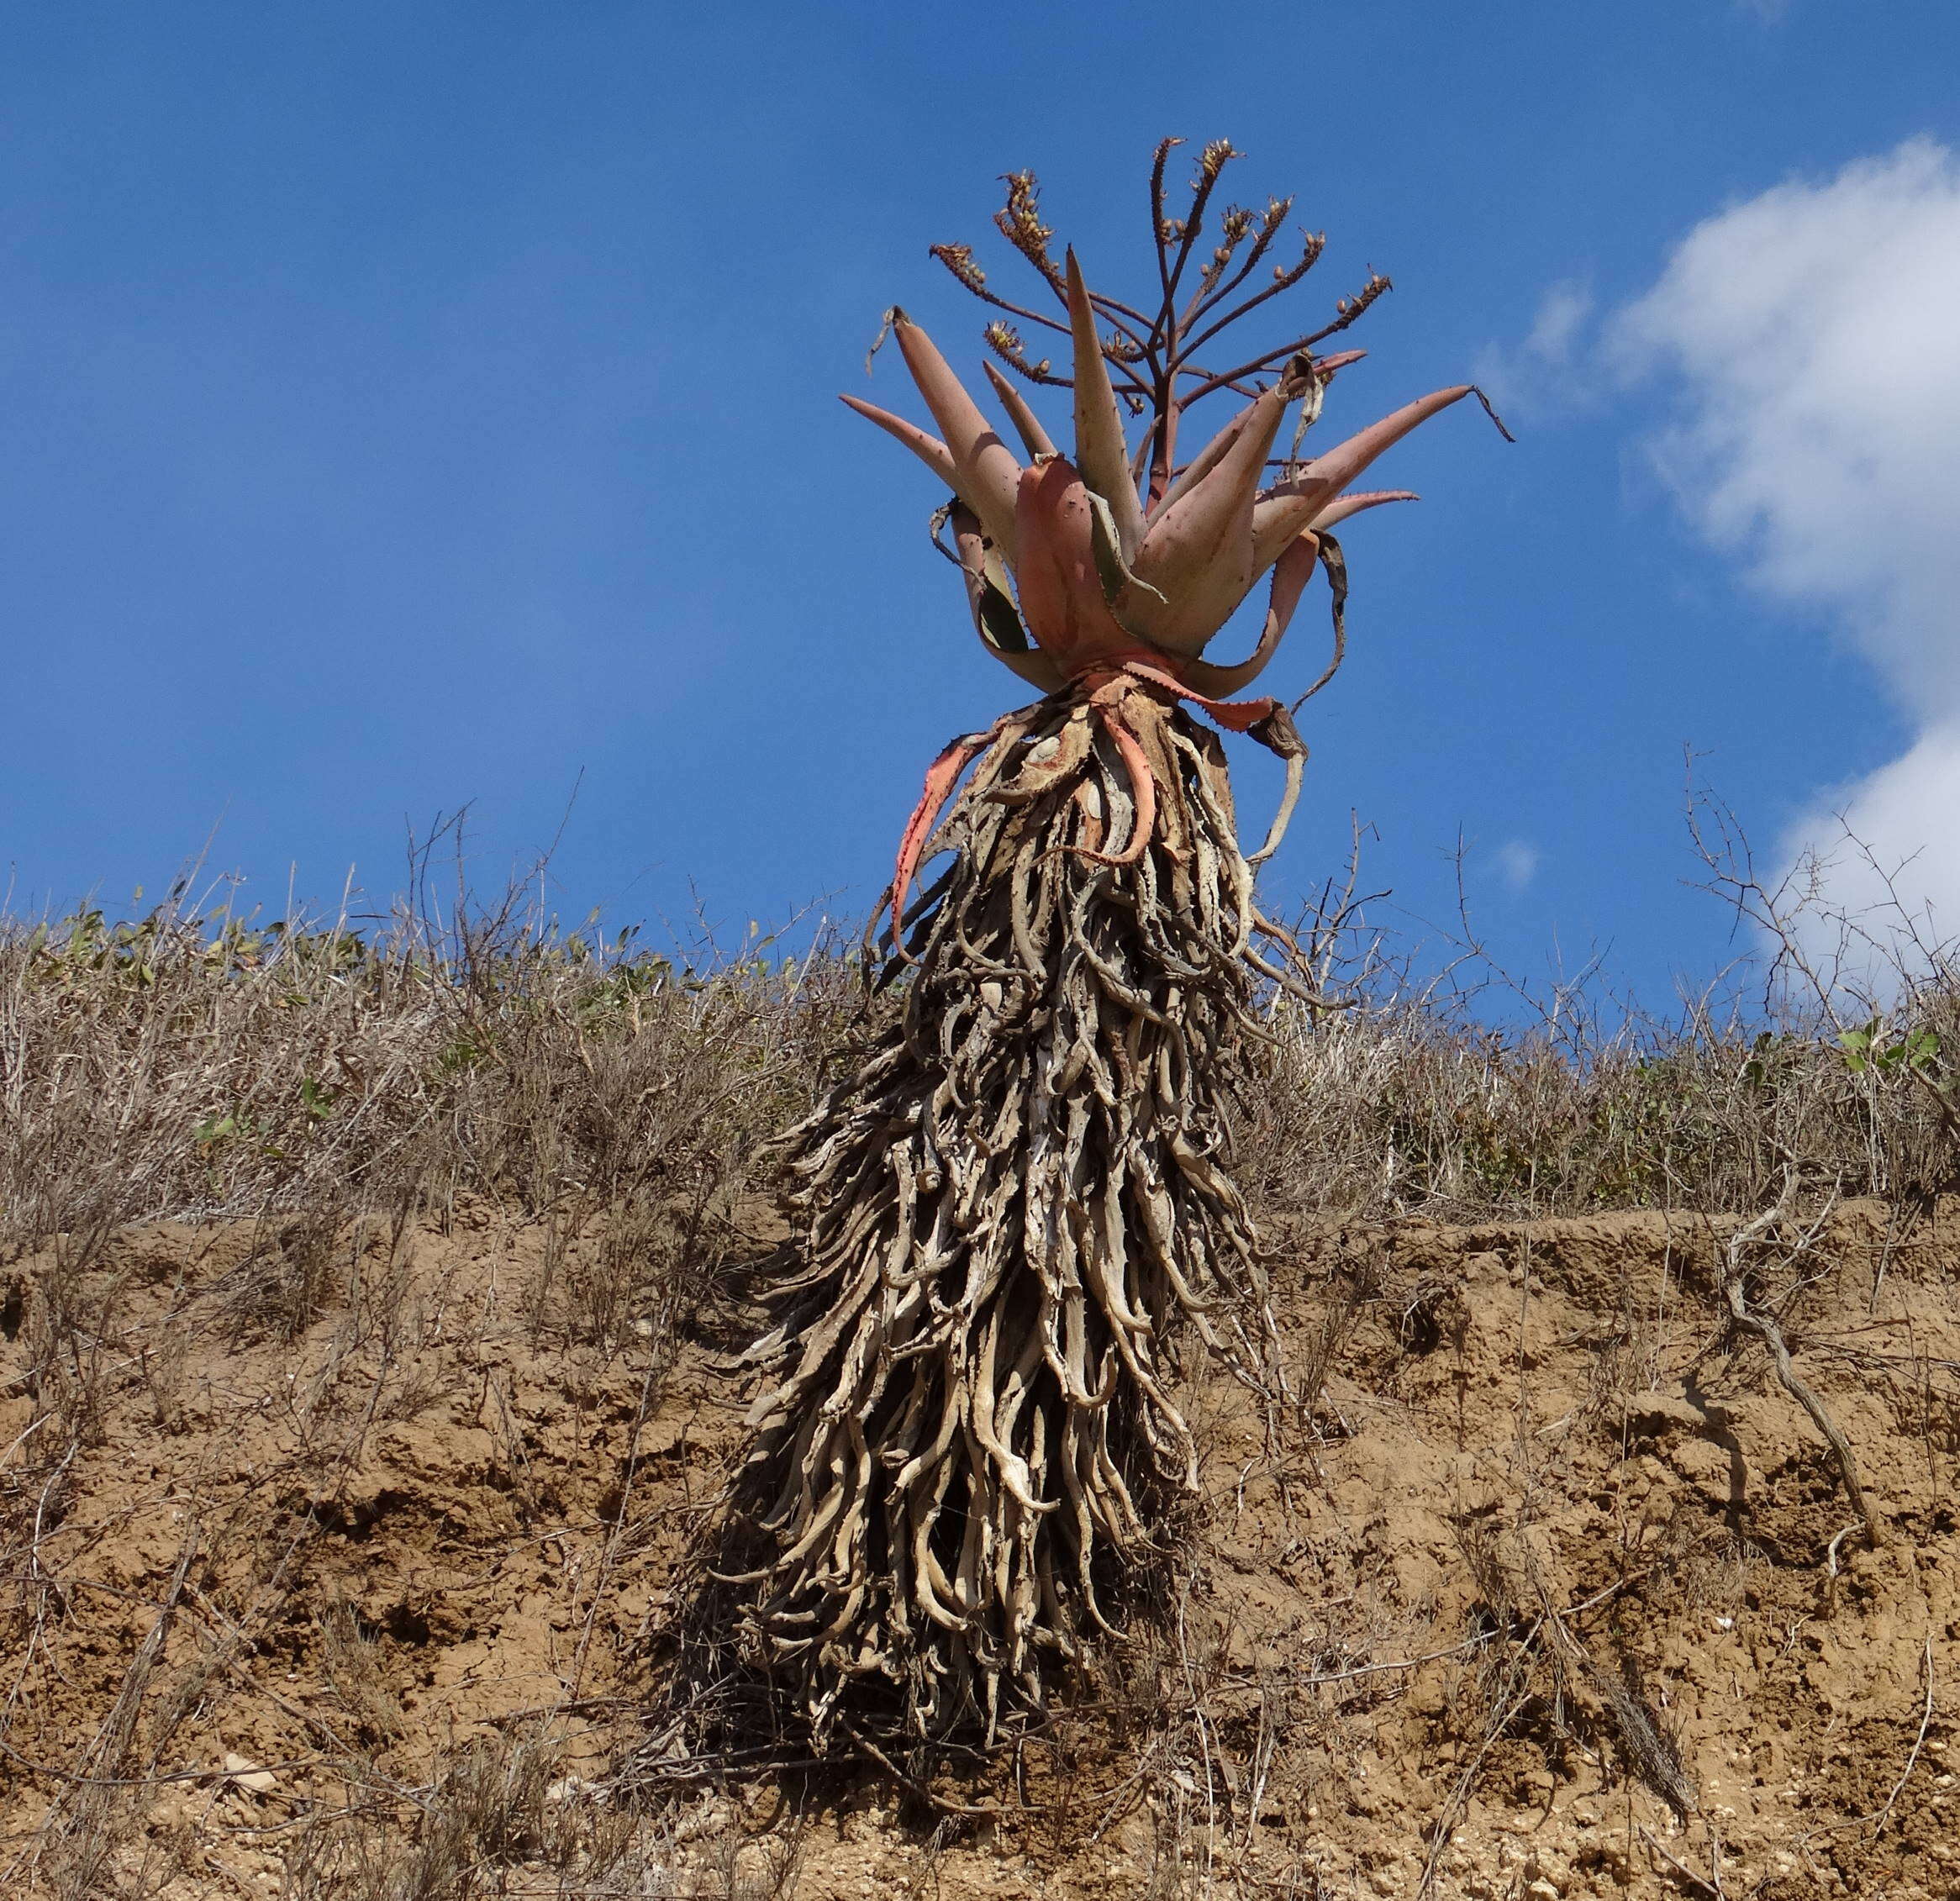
pixel 1011 1210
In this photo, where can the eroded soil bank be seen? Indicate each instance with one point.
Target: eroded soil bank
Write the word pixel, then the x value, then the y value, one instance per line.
pixel 1546 1587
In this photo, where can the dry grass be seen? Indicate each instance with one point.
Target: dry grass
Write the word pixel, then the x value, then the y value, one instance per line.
pixel 174 1067
pixel 1827 1056
pixel 178 1066
pixel 1409 1107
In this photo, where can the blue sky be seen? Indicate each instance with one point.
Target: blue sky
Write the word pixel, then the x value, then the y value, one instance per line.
pixel 410 407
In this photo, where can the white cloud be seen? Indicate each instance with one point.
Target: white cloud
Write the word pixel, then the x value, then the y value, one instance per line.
pixel 1903 823
pixel 1813 336
pixel 1550 373
pixel 1563 312
pixel 1517 863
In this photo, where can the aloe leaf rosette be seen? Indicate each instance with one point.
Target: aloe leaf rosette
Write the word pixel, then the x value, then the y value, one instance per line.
pixel 1015 1210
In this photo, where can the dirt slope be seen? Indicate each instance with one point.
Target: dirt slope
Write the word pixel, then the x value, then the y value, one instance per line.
pixel 1545 1590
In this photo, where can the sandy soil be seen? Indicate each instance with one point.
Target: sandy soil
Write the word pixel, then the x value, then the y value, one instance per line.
pixel 336 1565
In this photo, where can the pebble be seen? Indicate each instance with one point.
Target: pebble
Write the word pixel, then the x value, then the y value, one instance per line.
pixel 245 1774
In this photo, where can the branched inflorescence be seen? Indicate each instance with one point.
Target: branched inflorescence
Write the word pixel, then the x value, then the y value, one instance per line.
pixel 1018 1201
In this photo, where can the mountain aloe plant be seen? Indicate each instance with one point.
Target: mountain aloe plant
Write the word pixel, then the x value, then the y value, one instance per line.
pixel 1018 1205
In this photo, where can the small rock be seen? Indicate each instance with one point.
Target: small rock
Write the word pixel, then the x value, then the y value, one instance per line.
pixel 245 1774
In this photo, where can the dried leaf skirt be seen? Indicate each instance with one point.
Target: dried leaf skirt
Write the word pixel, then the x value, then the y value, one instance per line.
pixel 1009 1214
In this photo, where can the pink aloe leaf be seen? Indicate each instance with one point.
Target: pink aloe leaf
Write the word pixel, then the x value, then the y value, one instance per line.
pixel 1335 512
pixel 1207 457
pixel 1198 551
pixel 996 619
pixel 1201 465
pixel 929 449
pixel 1100 451
pixel 1062 594
pixel 1027 424
pixel 940 777
pixel 1288 507
pixel 1291 573
pixel 987 474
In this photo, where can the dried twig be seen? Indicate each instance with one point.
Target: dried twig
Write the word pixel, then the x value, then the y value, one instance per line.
pixel 1764 1326
pixel 1918 1741
pixel 1709 1883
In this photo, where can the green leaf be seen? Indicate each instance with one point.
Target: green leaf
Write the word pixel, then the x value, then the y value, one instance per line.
pixel 1857 1046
